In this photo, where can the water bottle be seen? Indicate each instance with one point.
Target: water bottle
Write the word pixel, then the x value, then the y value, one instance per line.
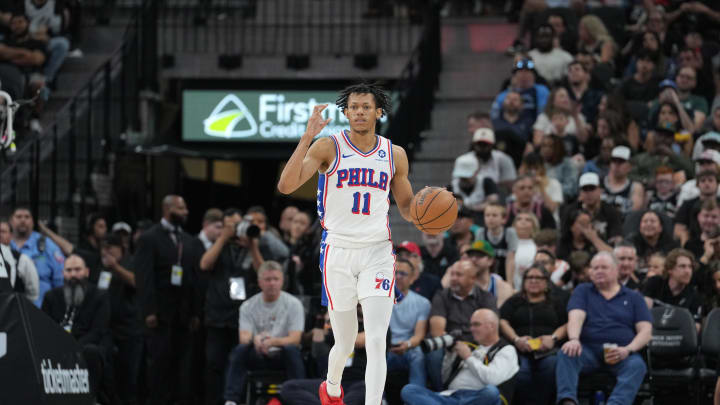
pixel 599 398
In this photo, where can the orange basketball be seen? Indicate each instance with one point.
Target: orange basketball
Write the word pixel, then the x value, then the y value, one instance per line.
pixel 433 210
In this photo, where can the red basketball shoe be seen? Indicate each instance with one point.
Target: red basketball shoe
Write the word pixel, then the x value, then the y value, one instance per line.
pixel 326 399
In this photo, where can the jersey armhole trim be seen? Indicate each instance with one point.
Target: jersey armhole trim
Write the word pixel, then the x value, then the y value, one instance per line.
pixel 336 162
pixel 392 161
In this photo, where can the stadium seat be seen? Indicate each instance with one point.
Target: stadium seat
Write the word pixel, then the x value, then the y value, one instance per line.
pixel 672 354
pixel 263 384
pixel 710 349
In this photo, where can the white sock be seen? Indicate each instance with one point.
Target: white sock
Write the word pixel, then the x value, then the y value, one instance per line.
pixel 376 316
pixel 345 329
pixel 333 389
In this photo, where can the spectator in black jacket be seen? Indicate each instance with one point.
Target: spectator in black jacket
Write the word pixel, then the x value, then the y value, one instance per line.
pixel 84 312
pixel 165 268
pixel 230 283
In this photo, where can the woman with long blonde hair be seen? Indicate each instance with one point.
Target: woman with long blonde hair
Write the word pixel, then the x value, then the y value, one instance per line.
pixel 595 39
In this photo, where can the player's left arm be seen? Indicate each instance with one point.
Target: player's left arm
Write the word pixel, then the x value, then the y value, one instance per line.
pixel 400 185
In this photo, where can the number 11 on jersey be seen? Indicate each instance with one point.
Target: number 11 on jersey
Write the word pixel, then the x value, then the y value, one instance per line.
pixel 356 203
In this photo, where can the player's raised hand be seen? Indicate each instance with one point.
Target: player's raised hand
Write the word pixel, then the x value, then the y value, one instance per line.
pixel 316 123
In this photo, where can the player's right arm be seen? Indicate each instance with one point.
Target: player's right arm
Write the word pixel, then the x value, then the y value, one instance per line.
pixel 306 160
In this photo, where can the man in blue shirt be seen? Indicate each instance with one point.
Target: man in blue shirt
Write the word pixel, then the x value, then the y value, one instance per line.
pixel 534 96
pixel 599 313
pixel 46 255
pixel 408 326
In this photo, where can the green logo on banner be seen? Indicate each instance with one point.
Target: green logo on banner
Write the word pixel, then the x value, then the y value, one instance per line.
pixel 230 119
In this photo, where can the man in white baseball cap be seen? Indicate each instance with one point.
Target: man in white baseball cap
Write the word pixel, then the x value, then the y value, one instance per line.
pixel 465 183
pixel 606 220
pixel 619 191
pixel 492 163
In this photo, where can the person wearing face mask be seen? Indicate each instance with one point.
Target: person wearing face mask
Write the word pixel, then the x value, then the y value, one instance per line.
pixel 165 269
pixel 83 311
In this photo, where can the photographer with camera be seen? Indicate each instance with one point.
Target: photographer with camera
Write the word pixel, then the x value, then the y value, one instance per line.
pixel 231 281
pixel 451 310
pixel 473 376
pixel 271 245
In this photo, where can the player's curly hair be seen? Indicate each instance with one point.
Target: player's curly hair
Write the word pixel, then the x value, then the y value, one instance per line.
pixel 382 99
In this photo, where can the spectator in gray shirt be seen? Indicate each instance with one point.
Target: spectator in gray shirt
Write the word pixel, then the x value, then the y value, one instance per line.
pixel 271 324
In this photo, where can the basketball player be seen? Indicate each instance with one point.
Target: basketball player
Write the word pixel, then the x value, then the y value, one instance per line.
pixel 357 171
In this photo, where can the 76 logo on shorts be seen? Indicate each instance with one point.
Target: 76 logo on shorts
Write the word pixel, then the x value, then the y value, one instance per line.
pixel 381 282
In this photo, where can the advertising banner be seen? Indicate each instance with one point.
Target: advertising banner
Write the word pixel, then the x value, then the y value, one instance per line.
pixel 255 116
pixel 40 363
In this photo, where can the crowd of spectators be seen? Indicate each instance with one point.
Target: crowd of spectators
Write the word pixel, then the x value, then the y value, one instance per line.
pixel 36 36
pixel 589 196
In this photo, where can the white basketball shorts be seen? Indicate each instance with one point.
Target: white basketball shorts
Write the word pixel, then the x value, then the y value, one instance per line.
pixel 350 275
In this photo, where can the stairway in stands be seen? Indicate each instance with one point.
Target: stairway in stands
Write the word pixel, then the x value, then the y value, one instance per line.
pixel 474 66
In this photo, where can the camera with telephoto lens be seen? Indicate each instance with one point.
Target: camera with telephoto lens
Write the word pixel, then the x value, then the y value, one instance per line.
pixel 440 342
pixel 246 228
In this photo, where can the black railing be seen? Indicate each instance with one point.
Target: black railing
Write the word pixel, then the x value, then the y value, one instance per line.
pixel 56 172
pixel 289 27
pixel 417 85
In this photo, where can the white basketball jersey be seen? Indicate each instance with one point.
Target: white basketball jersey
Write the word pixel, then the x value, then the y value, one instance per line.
pixel 354 194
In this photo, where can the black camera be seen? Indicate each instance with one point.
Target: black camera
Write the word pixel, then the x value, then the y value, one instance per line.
pixel 440 342
pixel 246 228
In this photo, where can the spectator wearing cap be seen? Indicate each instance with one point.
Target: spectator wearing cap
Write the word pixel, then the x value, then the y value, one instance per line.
pixel 408 326
pixel 522 200
pixel 466 184
pixel 661 153
pixel 124 231
pixel 685 220
pixel 551 62
pixel 535 321
pixel 618 190
pixel 534 95
pixel 684 86
pixel 663 197
pixel 642 87
pixel 491 163
pixel 117 278
pixel 425 284
pixel 605 219
pixel 437 254
pixel 600 312
pixel 669 108
pixel 451 310
pixel 707 160
pixel 481 255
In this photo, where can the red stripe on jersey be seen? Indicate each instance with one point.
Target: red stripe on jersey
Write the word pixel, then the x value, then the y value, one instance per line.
pixel 327 290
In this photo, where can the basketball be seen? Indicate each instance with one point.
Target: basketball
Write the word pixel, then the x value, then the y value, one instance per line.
pixel 433 210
